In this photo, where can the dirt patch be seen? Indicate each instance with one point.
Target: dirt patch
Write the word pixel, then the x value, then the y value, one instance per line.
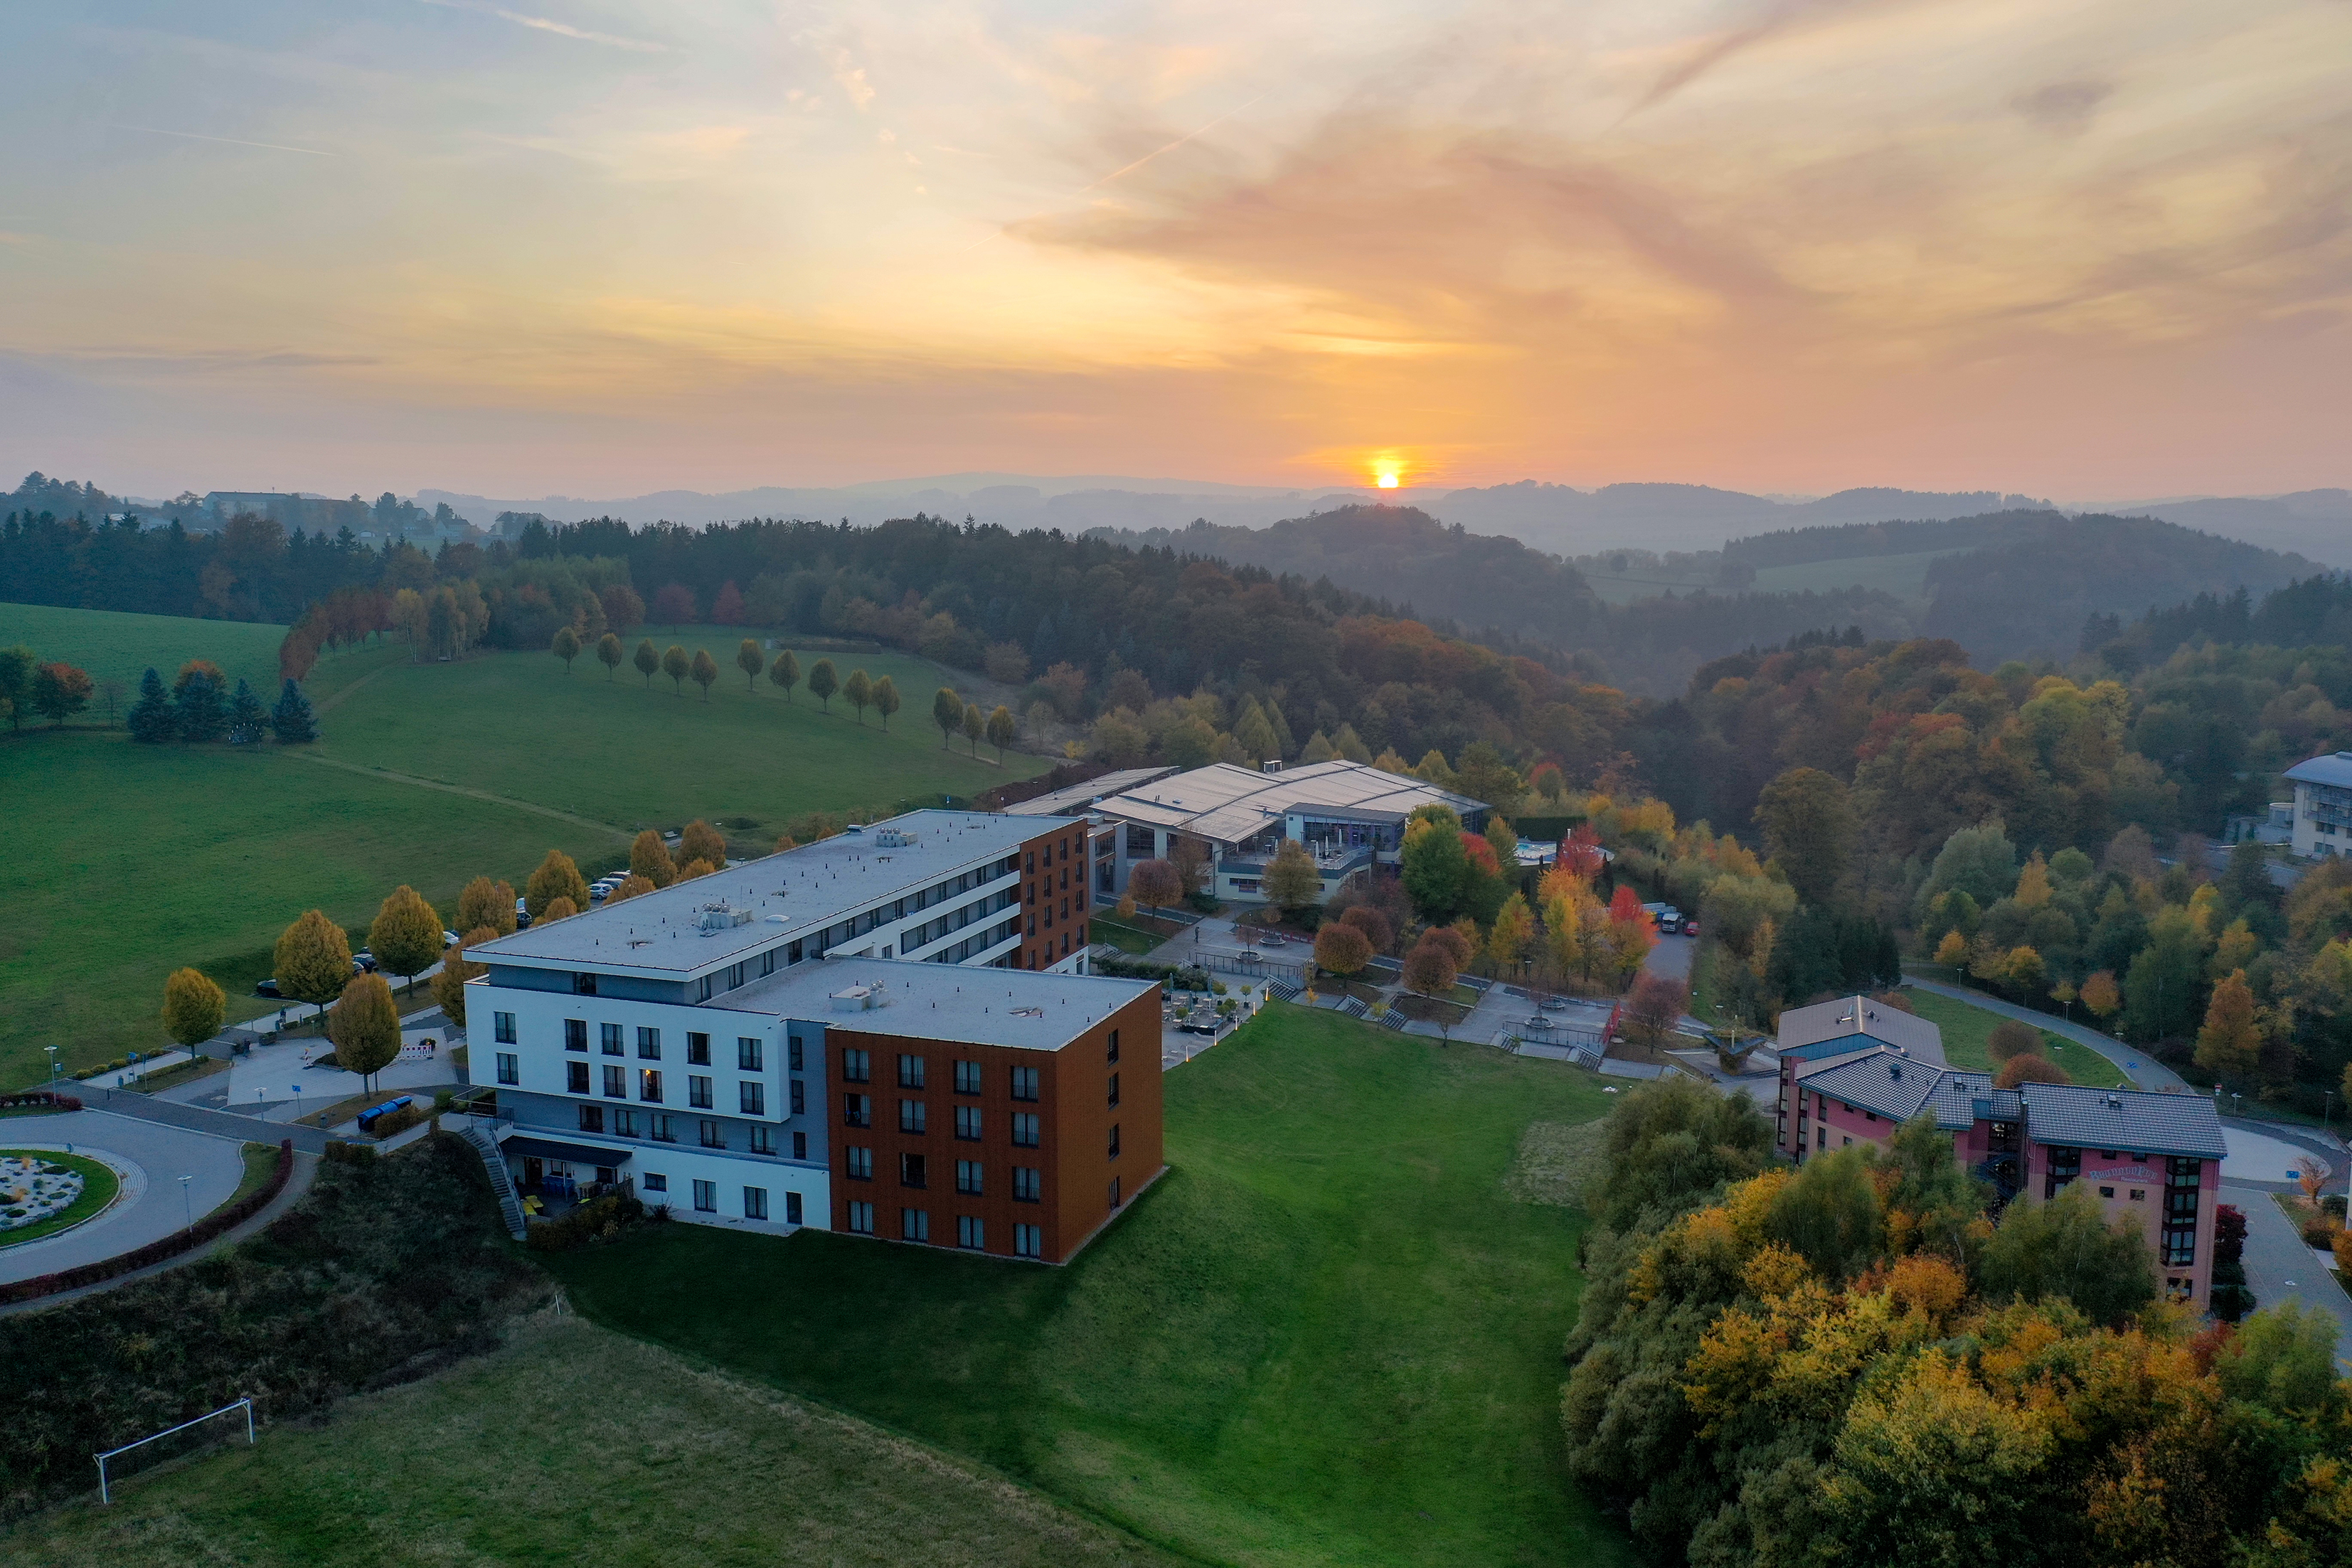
pixel 1429 1009
pixel 1556 1164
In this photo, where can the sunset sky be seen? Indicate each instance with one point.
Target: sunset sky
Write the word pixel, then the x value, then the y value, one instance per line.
pixel 2082 248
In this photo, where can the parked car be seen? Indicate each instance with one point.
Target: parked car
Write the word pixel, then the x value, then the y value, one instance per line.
pixel 269 989
pixel 1555 1004
pixel 369 1118
pixel 362 962
pixel 1690 927
pixel 448 939
pixel 1270 939
pixel 522 915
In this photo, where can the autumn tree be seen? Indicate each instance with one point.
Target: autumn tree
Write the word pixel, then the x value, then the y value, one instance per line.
pixel 1809 828
pixel 705 671
pixel 823 682
pixel 449 985
pixel 609 653
pixel 484 902
pixel 885 699
pixel 563 909
pixel 672 605
pixel 649 662
pixel 1342 949
pixel 649 858
pixel 2102 996
pixel 60 691
pixel 406 935
pixel 1375 926
pixel 194 1008
pixel 676 666
pixel 2066 1246
pixel 1431 967
pixel 365 1028
pixel 975 725
pixel 785 672
pixel 947 712
pixel 1653 1007
pixel 750 661
pixel 1292 880
pixel 2010 1038
pixel 629 886
pixel 2029 1068
pixel 701 842
pixel 557 876
pixel 312 960
pixel 1001 730
pixel 1953 951
pixel 2231 1043
pixel 565 645
pixel 1155 884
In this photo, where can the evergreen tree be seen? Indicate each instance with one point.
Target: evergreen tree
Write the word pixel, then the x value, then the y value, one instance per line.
pixel 292 720
pixel 202 715
pixel 151 718
pixel 245 718
pixel 16 666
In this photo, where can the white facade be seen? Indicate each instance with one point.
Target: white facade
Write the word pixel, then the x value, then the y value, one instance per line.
pixel 2322 824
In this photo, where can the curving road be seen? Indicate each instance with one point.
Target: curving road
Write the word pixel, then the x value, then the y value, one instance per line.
pixel 151 1207
pixel 2139 1068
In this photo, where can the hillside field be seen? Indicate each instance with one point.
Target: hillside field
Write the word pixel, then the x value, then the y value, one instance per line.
pixel 1904 576
pixel 150 858
pixel 115 646
pixel 1967 1029
pixel 1328 1334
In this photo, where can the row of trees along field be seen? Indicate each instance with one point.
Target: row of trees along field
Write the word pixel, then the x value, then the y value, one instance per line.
pixel 198 707
pixel 1862 1358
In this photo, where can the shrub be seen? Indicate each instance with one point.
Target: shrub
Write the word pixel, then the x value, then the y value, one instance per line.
pixel 32 1097
pixel 2020 1070
pixel 598 1220
pixel 399 1121
pixel 343 1152
pixel 2010 1038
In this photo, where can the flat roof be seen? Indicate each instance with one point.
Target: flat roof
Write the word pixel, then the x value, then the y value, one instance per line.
pixel 795 893
pixel 2335 768
pixel 1029 1009
pixel 1073 796
pixel 1230 803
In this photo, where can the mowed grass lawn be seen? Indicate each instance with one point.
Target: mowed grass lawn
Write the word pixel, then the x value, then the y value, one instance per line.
pixel 115 646
pixel 625 752
pixel 573 1445
pixel 1326 1336
pixel 1966 1028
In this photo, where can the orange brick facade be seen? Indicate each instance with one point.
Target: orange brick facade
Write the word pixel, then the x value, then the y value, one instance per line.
pixel 1053 895
pixel 1073 1157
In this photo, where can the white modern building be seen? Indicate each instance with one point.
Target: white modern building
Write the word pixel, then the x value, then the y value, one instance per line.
pixel 2322 824
pixel 678 1039
pixel 1350 815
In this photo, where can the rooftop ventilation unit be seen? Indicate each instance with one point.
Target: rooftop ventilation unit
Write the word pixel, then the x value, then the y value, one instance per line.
pixel 858 998
pixel 1272 765
pixel 893 839
pixel 719 916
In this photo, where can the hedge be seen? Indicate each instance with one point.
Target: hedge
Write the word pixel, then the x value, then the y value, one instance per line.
pixel 40 1097
pixel 205 1230
pixel 1187 978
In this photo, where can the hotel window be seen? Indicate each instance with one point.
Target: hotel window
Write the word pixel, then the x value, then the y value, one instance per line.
pixel 608 1039
pixel 1028 1183
pixel 1114 1191
pixel 749 1057
pixel 1024 1083
pixel 755 1203
pixel 714 1132
pixel 697 1049
pixel 616 1083
pixel 1113 1054
pixel 763 1140
pixel 752 1099
pixel 971 1232
pixel 967 1178
pixel 968 1123
pixel 624 1123
pixel 734 976
pixel 654 1181
pixel 1114 1140
pixel 914 1170
pixel 706 1197
pixel 793 1053
pixel 662 1128
pixel 861 1218
pixel 858 1163
pixel 2065 1165
pixel 768 962
pixel 856 1067
pixel 857 1110
pixel 967 1077
pixel 583 985
pixel 702 989
pixel 502 1027
pixel 592 1118
pixel 1114 1091
pixel 915 1224
pixel 510 1071
pixel 792 1208
pixel 793 954
pixel 799 1098
pixel 698 1092
pixel 575 1034
pixel 910 1072
pixel 1029 1240
pixel 912 1117
pixel 800 1146
pixel 649 1085
pixel 1025 1129
pixel 648 1044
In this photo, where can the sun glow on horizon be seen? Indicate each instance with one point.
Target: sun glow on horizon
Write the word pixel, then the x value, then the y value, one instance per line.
pixel 1388 470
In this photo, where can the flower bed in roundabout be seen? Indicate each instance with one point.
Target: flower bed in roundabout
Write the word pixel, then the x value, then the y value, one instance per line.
pixel 43 1192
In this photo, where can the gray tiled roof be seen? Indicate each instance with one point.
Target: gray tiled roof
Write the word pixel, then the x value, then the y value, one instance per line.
pixel 1843 1017
pixel 2077 1117
pixel 1898 1087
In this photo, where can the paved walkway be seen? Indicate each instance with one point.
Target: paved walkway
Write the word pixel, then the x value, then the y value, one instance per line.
pixel 201 1119
pixel 1672 956
pixel 150 1159
pixel 278 1083
pixel 2281 1269
pixel 2139 1069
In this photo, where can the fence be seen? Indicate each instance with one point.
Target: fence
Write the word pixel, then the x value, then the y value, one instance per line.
pixel 106 1496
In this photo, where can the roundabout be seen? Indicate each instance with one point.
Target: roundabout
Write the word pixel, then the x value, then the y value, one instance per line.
pixel 45 1192
pixel 139 1182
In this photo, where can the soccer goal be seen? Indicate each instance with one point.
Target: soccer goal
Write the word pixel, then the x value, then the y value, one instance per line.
pixel 190 1435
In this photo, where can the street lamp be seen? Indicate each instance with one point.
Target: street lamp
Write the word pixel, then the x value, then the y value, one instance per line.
pixel 53 1062
pixel 186 1203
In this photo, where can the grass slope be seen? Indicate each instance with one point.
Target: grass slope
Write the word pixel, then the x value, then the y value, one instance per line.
pixel 1904 576
pixel 112 645
pixel 634 754
pixel 573 1445
pixel 1328 1335
pixel 1966 1028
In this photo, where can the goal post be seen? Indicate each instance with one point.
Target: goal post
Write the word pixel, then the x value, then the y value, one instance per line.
pixel 105 1494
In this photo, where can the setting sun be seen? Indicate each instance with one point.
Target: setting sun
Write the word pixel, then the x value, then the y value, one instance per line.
pixel 1387 469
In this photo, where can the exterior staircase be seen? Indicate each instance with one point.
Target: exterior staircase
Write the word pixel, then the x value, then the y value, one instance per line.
pixel 509 1205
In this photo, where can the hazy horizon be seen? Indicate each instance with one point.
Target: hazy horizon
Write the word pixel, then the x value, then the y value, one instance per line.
pixel 607 248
